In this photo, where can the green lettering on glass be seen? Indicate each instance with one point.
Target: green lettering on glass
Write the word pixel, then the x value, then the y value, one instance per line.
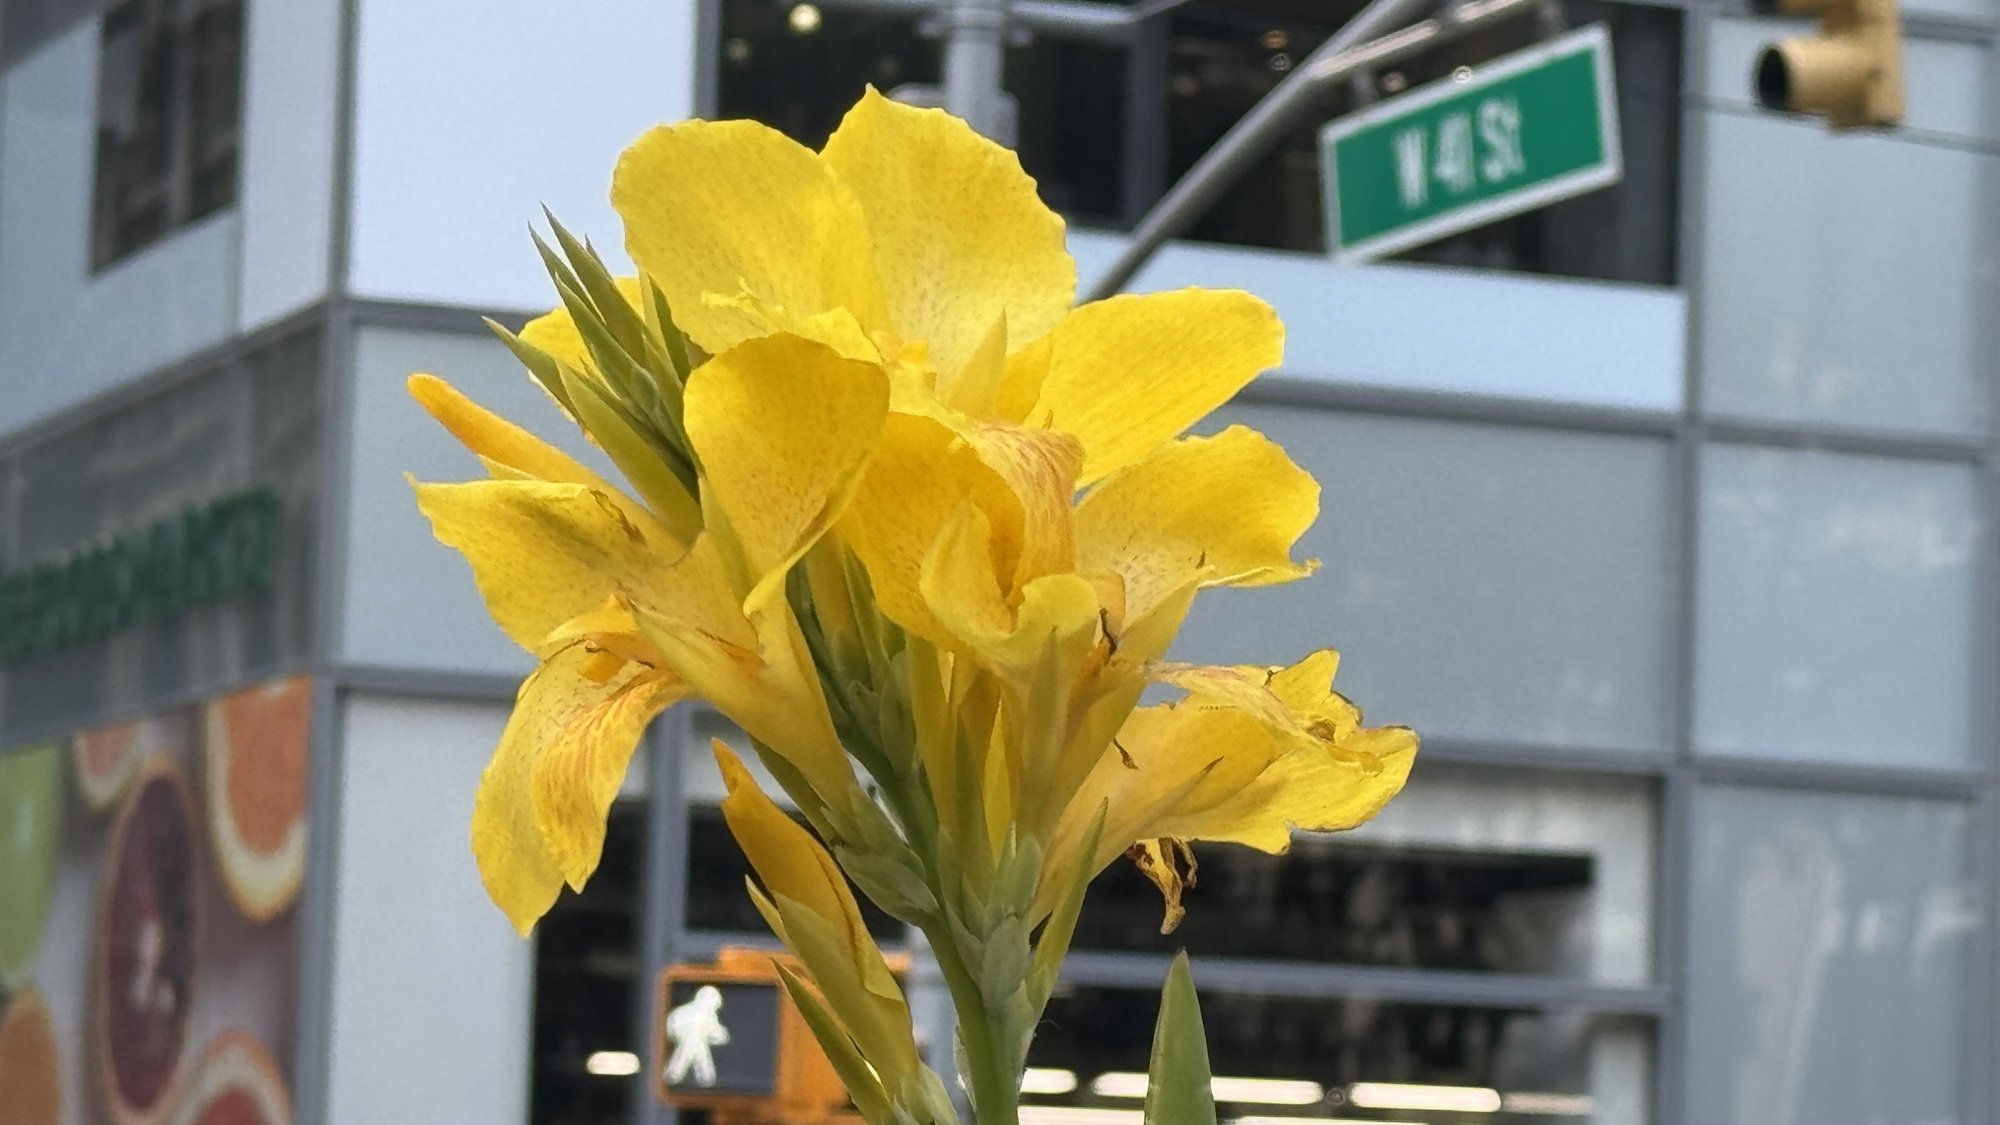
pixel 202 555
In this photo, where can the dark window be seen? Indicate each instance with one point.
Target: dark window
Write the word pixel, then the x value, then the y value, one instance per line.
pixel 1330 901
pixel 1310 1058
pixel 797 68
pixel 169 97
pixel 1105 129
pixel 586 974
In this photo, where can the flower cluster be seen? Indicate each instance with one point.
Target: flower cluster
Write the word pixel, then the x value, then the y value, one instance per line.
pixel 925 532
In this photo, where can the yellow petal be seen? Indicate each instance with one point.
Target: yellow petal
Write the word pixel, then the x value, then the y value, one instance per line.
pixel 757 670
pixel 495 439
pixel 918 477
pixel 781 428
pixel 544 553
pixel 794 867
pixel 735 208
pixel 1240 763
pixel 1128 373
pixel 1222 510
pixel 515 863
pixel 580 730
pixel 970 600
pixel 959 236
pixel 555 332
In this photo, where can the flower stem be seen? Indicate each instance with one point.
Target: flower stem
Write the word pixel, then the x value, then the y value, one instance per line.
pixel 995 1085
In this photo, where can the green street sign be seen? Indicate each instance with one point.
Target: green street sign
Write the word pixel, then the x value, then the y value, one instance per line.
pixel 1515 134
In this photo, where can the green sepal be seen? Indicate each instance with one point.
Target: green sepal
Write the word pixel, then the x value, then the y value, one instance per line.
pixel 617 314
pixel 1003 964
pixel 1178 1088
pixel 1053 944
pixel 870 1004
pixel 542 366
pixel 637 458
pixel 862 1085
pixel 660 317
pixel 889 883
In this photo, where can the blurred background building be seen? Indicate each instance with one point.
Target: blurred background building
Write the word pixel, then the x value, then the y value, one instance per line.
pixel 1663 513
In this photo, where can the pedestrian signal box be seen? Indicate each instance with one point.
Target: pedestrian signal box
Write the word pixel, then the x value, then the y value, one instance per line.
pixel 728 1040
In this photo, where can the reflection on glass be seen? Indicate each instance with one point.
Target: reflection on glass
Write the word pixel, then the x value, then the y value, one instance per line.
pixel 1289 1061
pixel 586 974
pixel 1330 900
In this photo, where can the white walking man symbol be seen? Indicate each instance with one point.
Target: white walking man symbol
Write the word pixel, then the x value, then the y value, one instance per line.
pixel 695 1029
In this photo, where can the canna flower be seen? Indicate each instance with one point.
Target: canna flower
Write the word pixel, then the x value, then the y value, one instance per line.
pixel 926 533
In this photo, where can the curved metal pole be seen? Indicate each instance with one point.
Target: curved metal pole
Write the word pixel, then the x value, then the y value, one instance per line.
pixel 1246 141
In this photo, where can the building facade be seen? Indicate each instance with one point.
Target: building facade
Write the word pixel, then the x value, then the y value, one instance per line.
pixel 1665 514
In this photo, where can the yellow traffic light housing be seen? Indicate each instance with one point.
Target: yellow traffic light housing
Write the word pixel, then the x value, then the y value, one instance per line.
pixel 1851 72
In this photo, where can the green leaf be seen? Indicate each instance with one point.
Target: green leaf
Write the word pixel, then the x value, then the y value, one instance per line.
pixel 861 1083
pixel 1053 945
pixel 1178 1089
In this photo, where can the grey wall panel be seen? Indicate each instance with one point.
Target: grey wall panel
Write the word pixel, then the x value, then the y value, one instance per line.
pixel 1822 306
pixel 1836 616
pixel 1490 582
pixel 1830 946
pixel 409 600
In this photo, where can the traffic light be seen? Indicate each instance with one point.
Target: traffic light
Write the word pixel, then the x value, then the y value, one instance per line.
pixel 1851 72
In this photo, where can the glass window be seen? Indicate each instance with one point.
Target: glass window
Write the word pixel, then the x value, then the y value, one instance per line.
pixel 1105 129
pixel 799 67
pixel 168 113
pixel 1487 581
pixel 1471 869
pixel 586 976
pixel 1284 1057
pixel 1836 591
pixel 1225 55
pixel 1830 958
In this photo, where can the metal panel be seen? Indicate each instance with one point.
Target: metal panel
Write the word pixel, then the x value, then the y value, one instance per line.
pixel 1832 937
pixel 1487 581
pixel 1837 591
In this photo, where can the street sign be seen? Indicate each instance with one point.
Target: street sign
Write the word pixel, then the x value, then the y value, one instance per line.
pixel 1512 135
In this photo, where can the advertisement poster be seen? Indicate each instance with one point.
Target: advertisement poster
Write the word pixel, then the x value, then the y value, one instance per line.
pixel 150 875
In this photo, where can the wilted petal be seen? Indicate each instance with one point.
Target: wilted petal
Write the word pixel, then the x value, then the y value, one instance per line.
pixel 1125 374
pixel 738 209
pixel 958 233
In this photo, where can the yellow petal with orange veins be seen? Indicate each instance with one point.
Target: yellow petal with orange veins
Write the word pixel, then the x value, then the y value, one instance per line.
pixel 1219 511
pixel 782 428
pixel 1128 373
pixel 737 208
pixel 543 553
pixel 958 233
pixel 515 864
pixel 580 730
pixel 555 332
pixel 495 439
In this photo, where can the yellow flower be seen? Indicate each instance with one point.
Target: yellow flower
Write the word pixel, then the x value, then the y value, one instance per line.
pixel 941 521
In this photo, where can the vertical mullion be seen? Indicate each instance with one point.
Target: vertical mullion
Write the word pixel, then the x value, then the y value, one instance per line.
pixel 663 909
